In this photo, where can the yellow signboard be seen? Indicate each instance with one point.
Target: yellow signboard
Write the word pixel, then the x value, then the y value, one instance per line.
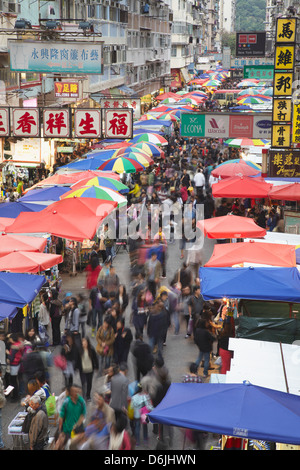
pixel 283 83
pixel 286 30
pixel 284 57
pixel 282 109
pixel 281 135
pixel 296 124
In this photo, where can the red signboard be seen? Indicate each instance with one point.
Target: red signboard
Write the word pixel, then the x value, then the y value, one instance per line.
pixel 241 127
pixel 66 89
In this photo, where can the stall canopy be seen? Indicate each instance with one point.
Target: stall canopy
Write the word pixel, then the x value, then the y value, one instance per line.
pixel 230 254
pixel 7 311
pixel 259 283
pixel 11 243
pixel 74 219
pixel 230 226
pixel 19 289
pixel 240 410
pixel 237 168
pixel 27 262
pixel 13 209
pixel 45 195
pixel 242 187
pixel 286 192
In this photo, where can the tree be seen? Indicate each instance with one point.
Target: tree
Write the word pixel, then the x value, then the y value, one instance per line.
pixel 228 40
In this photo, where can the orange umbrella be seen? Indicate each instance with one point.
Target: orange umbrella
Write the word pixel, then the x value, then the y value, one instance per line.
pixel 12 243
pixel 272 254
pixel 230 226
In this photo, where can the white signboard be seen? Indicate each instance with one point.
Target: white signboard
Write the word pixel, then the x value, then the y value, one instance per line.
pixel 25 122
pixel 217 126
pixel 262 126
pixel 4 122
pixel 118 124
pixel 133 103
pixel 56 122
pixel 87 123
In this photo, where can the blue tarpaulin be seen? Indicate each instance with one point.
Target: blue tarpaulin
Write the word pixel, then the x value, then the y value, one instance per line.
pixel 256 283
pixel 241 410
pixel 19 289
pixel 7 311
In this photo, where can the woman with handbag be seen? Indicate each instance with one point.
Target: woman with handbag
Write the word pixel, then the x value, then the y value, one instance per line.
pixel 141 404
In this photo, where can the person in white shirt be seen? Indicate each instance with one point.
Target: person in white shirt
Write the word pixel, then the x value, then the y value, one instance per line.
pixel 199 180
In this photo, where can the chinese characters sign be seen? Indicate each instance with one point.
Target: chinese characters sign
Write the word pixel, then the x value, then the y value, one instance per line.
pixel 87 123
pixel 55 57
pixel 284 63
pixel 118 123
pixel 56 123
pixel 66 89
pixel 284 163
pixel 4 122
pixel 25 122
pixel 135 104
pixel 296 123
pixel 259 72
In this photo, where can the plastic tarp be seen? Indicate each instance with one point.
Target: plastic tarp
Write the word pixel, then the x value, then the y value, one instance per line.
pixel 241 410
pixel 19 289
pixel 278 284
pixel 280 330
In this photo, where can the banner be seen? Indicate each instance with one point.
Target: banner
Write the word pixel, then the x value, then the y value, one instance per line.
pixel 226 125
pixel 284 163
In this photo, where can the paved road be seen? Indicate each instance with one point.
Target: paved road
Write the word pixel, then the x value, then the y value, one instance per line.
pixel 178 352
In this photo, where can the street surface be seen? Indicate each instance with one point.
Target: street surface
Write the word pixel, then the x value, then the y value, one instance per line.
pixel 178 352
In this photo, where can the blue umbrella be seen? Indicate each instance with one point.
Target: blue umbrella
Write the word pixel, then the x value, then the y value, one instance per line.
pixel 7 311
pixel 240 410
pixel 13 209
pixel 90 163
pixel 51 193
pixel 19 289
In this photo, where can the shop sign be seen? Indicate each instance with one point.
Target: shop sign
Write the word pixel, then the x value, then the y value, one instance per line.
pixel 66 89
pixel 4 122
pixel 25 122
pixel 284 163
pixel 118 124
pixel 134 104
pixel 87 123
pixel 56 123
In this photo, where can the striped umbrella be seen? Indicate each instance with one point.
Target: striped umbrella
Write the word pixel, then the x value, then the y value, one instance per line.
pixel 147 147
pixel 247 142
pixel 138 155
pixel 212 83
pixel 168 117
pixel 122 165
pixel 238 160
pixel 149 137
pixel 105 182
pixel 251 100
pixel 97 192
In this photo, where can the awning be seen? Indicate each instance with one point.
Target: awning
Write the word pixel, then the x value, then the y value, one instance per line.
pixel 128 91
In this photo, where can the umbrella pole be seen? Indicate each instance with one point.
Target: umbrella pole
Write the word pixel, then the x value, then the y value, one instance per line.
pixel 284 370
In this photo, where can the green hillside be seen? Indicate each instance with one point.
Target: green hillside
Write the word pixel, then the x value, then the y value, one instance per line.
pixel 250 15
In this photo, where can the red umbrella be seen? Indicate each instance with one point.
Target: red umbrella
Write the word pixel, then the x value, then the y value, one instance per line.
pixel 5 221
pixel 286 192
pixel 242 187
pixel 230 170
pixel 72 218
pixel 272 254
pixel 12 243
pixel 167 95
pixel 230 226
pixel 27 262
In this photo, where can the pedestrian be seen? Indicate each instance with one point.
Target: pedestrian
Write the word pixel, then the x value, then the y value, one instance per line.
pixel 119 388
pixel 83 313
pixel 72 413
pixel 88 365
pixel 143 357
pixel 92 272
pixel 72 321
pixel 71 354
pixel 157 327
pixel 224 335
pixel 123 340
pixel 44 317
pixel 100 405
pixel 38 430
pixel 119 438
pixel 141 404
pixel 15 353
pixel 204 340
pixel 105 338
pixel 97 299
pixel 55 312
pixel 153 272
pixel 140 311
pixel 192 376
pixel 195 304
pixel 122 298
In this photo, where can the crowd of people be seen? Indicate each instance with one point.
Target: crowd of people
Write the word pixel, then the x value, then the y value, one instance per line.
pixel 98 332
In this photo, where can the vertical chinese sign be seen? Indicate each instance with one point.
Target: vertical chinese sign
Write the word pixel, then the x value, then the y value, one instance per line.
pixel 284 64
pixel 118 123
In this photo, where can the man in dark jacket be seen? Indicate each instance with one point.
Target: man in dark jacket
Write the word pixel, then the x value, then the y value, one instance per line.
pixel 157 326
pixel 142 353
pixel 204 340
